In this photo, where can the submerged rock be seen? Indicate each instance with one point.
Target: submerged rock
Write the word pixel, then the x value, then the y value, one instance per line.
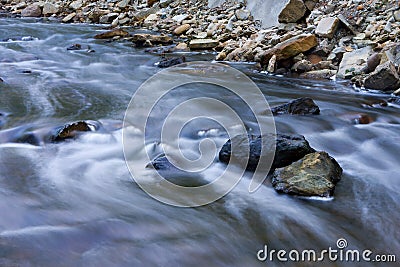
pixel 288 149
pixel 300 106
pixel 168 62
pixel 315 175
pixel 74 47
pixel 112 34
pixel 69 131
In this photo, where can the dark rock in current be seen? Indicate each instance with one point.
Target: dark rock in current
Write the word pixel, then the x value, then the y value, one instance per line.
pixel 160 163
pixel 2 119
pixel 75 47
pixel 394 100
pixel 300 106
pixel 70 131
pixel 111 34
pixel 315 175
pixel 168 62
pixel 288 149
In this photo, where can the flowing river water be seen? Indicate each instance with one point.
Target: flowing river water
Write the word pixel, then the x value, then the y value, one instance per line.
pixel 75 204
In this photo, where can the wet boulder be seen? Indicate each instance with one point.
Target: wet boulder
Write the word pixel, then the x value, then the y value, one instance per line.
pixel 314 175
pixel 169 62
pixel 112 34
pixel 288 149
pixel 300 106
pixel 70 131
pixel 2 119
pixel 74 47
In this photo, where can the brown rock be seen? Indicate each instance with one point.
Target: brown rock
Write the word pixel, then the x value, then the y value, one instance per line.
pixel 151 2
pixel 31 11
pixel 141 38
pixel 111 34
pixel 182 29
pixel 203 44
pixel 292 12
pixel 291 47
pixel 318 74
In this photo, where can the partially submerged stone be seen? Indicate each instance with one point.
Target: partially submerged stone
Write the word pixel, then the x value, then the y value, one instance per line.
pixel 69 131
pixel 288 149
pixel 112 34
pixel 300 106
pixel 324 74
pixel 169 62
pixel 314 175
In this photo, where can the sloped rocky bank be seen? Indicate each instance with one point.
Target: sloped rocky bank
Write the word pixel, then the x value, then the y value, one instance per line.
pixel 355 40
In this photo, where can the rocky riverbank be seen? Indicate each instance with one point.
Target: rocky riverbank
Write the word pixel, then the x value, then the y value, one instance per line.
pixel 356 40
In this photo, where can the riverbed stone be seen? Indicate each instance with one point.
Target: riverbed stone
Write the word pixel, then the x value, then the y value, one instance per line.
pixel 300 106
pixel 314 175
pixel 32 10
pixel 385 78
pixel 292 12
pixel 111 34
pixel 318 74
pixel 141 38
pixel 288 149
pixel 327 27
pixel 354 63
pixel 69 17
pixel 291 47
pixel 169 62
pixel 203 44
pixel 182 29
pixel 49 9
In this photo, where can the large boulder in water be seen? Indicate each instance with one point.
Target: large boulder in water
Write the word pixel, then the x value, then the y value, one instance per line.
pixel 315 175
pixel 300 106
pixel 289 148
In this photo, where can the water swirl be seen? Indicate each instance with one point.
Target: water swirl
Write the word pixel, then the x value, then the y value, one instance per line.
pixel 137 147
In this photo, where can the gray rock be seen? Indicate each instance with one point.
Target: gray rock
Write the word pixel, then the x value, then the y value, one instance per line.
pixel 396 15
pixel 69 17
pixel 385 78
pixel 49 9
pixel 107 18
pixel 353 63
pixel 288 149
pixel 31 11
pixel 344 21
pixel 242 14
pixel 292 12
pixel 76 4
pixel 123 3
pixel 315 175
pixel 327 27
